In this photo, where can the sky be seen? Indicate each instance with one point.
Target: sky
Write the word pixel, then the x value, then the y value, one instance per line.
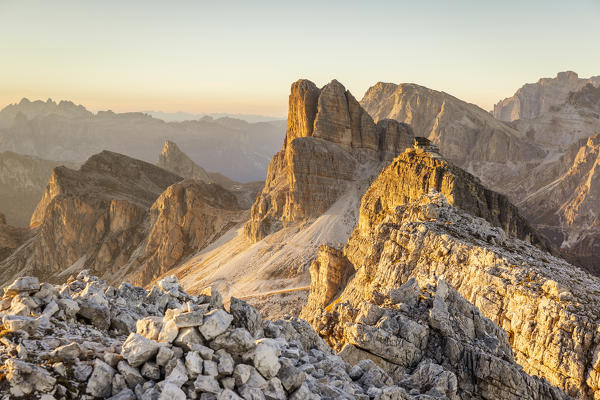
pixel 242 56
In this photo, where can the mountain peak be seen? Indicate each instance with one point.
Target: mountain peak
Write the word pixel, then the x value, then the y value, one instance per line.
pixel 534 99
pixel 328 136
pixel 173 159
pixel 567 76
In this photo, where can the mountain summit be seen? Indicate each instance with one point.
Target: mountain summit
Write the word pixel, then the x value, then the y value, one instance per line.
pixel 173 159
pixel 329 137
pixel 122 218
pixel 533 99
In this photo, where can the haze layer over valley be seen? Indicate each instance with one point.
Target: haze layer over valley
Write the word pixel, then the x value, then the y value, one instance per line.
pixel 66 132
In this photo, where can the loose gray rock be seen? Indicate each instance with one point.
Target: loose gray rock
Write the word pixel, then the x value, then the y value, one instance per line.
pixel 215 323
pixel 131 375
pixel 27 284
pixel 207 384
pixel 246 316
pixel 137 349
pixel 150 370
pixel 100 382
pixel 266 358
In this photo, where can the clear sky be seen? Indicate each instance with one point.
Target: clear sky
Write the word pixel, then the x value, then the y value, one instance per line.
pixel 242 56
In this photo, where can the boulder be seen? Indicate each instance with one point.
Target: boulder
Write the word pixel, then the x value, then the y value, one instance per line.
pixel 137 349
pixel 215 323
pixel 266 357
pixel 100 382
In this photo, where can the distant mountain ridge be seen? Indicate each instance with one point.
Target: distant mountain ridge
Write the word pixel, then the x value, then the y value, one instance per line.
pixel 66 132
pixel 546 163
pixel 466 134
pixel 23 180
pixel 181 116
pixel 533 99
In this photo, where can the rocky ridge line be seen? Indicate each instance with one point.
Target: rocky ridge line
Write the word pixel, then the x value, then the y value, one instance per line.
pixel 548 307
pixel 173 159
pixel 416 172
pixel 120 217
pixel 533 99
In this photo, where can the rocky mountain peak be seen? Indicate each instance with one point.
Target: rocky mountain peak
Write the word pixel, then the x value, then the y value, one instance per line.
pixel 534 99
pixel 32 109
pixel 586 97
pixel 418 171
pixel 121 218
pixel 173 159
pixel 329 135
pixel 106 176
pixel 362 298
pixel 302 110
pixel 567 76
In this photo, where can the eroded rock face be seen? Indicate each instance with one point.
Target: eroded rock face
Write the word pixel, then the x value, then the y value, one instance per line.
pixel 533 99
pixel 110 217
pixel 328 137
pixel 467 135
pixel 186 217
pixel 415 172
pixel 173 159
pixel 93 216
pixel 10 237
pixel 566 209
pixel 428 337
pixel 329 273
pixel 547 306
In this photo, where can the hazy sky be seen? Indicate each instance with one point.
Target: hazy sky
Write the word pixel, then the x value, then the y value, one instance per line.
pixel 241 57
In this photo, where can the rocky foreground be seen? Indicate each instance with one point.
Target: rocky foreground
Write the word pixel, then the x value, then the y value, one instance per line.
pixel 547 308
pixel 85 339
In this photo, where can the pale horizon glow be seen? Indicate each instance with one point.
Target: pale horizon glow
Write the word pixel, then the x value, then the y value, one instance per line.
pixel 239 57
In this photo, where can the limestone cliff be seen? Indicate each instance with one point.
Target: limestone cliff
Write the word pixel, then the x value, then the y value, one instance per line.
pixel 416 172
pixel 173 159
pixel 564 202
pixel 548 308
pixel 533 99
pixel 10 237
pixel 106 216
pixel 23 180
pixel 467 135
pixel 187 217
pixel 329 136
